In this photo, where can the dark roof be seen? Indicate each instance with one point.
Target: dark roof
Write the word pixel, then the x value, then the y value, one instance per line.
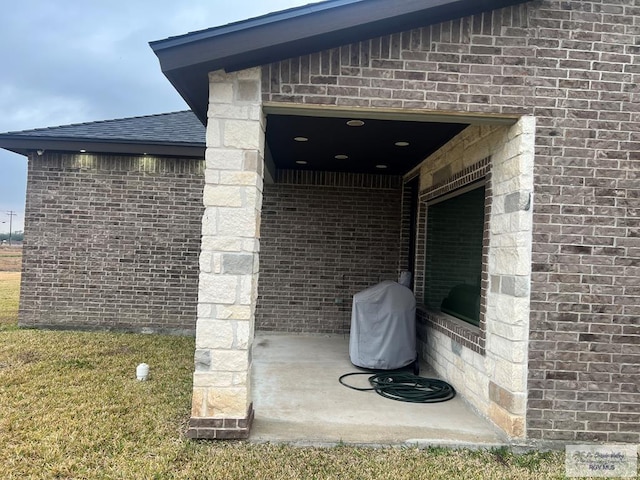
pixel 177 133
pixel 186 60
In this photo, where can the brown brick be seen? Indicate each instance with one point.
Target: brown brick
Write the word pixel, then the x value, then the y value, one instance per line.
pixel 121 243
pixel 343 229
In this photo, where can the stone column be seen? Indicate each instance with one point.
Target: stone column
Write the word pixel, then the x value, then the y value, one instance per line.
pixel 227 291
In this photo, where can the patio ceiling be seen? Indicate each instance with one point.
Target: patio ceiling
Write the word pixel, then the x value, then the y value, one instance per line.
pixel 391 147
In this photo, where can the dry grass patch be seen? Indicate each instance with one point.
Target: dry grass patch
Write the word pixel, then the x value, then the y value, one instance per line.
pixel 9 299
pixel 70 408
pixel 10 259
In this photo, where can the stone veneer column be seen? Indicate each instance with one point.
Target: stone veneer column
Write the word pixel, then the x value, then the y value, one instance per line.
pixel 227 291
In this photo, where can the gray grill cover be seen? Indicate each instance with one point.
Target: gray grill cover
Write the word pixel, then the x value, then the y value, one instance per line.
pixel 383 327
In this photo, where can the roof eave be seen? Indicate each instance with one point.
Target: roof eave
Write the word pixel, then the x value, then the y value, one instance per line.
pixel 187 60
pixel 23 146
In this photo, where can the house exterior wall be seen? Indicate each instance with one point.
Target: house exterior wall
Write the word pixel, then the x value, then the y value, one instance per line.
pixel 111 242
pixel 575 67
pixel 324 237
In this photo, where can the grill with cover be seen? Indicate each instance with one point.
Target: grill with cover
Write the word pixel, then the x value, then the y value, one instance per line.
pixel 383 327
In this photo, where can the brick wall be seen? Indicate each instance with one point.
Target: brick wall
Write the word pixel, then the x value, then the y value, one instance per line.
pixel 112 242
pixel 575 66
pixel 323 238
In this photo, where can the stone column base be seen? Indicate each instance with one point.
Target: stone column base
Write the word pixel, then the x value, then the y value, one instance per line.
pixel 221 428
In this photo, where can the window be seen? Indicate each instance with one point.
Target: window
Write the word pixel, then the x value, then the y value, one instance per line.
pixel 453 257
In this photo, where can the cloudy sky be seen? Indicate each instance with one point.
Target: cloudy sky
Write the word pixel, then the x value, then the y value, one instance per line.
pixel 70 61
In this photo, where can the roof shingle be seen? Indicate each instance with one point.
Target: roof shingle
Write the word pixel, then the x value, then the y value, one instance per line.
pixel 171 128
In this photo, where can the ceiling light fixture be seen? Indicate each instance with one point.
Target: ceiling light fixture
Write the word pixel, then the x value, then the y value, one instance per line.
pixel 402 144
pixel 301 139
pixel 82 151
pixel 381 166
pixel 355 123
pixel 341 157
pixel 301 162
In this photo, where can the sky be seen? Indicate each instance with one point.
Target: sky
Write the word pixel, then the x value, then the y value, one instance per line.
pixel 72 61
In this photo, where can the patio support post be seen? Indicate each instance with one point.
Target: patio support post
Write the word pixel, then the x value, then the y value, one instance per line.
pixel 227 291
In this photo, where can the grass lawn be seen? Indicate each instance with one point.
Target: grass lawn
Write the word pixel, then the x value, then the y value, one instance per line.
pixel 70 407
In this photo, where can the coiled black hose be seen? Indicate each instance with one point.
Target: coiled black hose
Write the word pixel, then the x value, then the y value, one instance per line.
pixel 405 387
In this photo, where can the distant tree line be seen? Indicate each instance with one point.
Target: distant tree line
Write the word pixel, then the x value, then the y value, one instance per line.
pixel 15 236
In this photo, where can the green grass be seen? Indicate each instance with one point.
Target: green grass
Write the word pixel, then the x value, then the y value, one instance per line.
pixel 70 408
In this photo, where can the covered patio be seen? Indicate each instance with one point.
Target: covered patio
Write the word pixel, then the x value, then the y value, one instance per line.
pixel 320 171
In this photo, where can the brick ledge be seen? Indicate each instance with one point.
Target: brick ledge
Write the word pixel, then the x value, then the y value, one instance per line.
pixel 221 428
pixel 465 334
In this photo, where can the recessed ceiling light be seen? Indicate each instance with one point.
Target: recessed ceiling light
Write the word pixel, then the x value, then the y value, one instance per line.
pixel 341 157
pixel 301 139
pixel 381 166
pixel 355 123
pixel 402 144
pixel 82 151
pixel 301 162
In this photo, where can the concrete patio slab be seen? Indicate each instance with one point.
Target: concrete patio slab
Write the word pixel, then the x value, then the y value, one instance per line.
pixel 298 399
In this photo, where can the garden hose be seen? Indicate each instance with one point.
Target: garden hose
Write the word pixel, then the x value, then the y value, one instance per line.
pixel 405 387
